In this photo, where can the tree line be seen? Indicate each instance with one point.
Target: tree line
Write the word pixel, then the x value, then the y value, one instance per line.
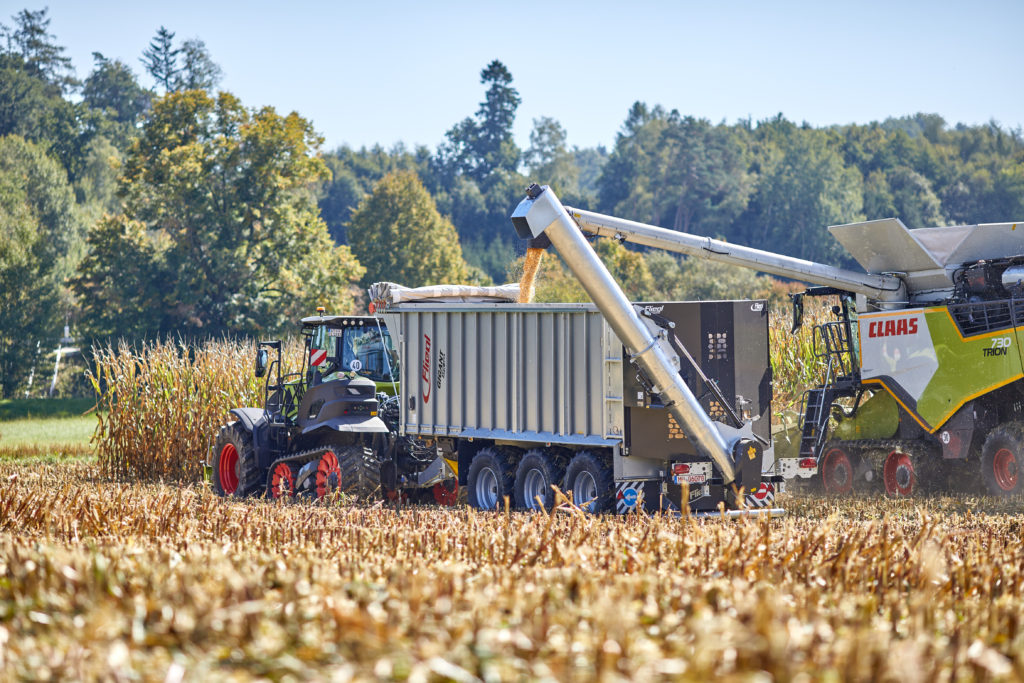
pixel 137 212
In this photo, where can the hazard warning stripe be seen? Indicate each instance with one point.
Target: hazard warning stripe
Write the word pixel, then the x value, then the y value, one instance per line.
pixel 317 357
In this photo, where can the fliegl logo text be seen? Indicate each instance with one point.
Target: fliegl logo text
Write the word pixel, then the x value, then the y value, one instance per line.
pixel 999 347
pixel 892 328
pixel 425 376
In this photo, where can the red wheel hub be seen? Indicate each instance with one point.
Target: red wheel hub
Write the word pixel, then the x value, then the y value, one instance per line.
pixel 898 474
pixel 837 472
pixel 446 492
pixel 227 468
pixel 1004 467
pixel 328 474
pixel 282 481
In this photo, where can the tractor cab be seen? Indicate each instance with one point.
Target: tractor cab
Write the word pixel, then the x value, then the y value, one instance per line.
pixel 347 362
pixel 341 346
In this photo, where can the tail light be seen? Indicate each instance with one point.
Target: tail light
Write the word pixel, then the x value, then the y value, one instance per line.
pixel 808 463
pixel 680 468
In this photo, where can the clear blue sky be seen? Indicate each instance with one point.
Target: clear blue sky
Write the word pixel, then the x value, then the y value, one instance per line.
pixel 386 71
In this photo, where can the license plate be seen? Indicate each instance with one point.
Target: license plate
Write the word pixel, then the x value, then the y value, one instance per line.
pixel 690 478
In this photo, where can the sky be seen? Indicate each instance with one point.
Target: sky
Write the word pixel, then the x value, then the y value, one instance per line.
pixel 385 72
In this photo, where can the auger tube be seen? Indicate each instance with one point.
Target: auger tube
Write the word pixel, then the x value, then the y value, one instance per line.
pixel 541 215
pixel 878 287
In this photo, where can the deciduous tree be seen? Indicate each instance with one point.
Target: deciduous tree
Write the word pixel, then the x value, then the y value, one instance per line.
pixel 220 232
pixel 399 236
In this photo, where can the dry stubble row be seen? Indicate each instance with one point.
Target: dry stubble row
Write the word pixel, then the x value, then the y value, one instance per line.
pixel 104 577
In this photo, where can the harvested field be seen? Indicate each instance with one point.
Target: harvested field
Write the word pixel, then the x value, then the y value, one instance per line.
pixel 162 582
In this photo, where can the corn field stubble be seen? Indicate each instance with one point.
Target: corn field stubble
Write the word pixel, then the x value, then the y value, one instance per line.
pixel 102 574
pixel 105 578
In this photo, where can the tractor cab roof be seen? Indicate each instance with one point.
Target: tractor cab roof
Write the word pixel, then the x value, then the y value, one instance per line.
pixel 339 320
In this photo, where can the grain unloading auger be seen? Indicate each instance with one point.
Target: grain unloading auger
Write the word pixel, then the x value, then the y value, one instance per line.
pixel 925 351
pixel 542 218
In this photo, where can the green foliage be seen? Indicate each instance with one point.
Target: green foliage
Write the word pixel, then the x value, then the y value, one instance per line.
pixel 220 231
pixel 354 173
pixel 188 67
pixel 398 236
pixel 40 232
pixel 676 171
pixel 44 408
pixel 161 59
pixel 113 89
pixel 804 187
pixel 31 40
pixel 550 162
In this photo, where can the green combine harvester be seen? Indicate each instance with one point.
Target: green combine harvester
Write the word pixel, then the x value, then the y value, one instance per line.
pixel 924 376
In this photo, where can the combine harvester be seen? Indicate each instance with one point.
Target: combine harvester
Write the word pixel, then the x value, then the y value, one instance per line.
pixel 510 399
pixel 924 370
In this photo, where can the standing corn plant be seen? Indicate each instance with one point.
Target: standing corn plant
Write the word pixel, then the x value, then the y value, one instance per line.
pixel 159 403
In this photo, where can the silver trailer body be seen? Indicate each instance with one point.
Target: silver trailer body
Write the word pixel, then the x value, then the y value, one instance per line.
pixel 555 377
pixel 541 373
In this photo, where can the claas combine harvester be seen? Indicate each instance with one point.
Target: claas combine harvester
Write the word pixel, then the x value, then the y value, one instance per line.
pixel 924 375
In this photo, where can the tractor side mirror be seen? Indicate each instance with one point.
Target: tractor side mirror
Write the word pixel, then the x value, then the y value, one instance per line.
pixel 262 359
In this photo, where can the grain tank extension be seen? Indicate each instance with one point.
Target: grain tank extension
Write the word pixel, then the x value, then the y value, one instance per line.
pixel 924 381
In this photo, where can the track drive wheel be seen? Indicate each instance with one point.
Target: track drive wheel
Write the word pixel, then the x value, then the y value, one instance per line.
pixel 1002 456
pixel 837 470
pixel 344 468
pixel 536 474
pixel 490 480
pixel 235 472
pixel 899 475
pixel 282 481
pixel 589 477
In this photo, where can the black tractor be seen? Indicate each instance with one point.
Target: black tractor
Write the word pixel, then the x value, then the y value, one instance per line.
pixel 320 431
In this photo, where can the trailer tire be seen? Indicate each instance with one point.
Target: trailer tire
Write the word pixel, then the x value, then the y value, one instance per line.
pixel 235 472
pixel 536 474
pixel 490 480
pixel 1002 456
pixel 590 479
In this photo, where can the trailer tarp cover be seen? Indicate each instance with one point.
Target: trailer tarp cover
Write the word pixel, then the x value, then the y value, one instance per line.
pixel 390 294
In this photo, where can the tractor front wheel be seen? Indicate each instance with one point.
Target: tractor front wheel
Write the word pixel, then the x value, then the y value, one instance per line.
pixel 235 472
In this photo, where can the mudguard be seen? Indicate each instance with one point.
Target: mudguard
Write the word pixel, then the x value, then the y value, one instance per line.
pixel 249 417
pixel 354 424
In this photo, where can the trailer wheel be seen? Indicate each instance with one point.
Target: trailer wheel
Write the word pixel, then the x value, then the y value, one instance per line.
pixel 590 479
pixel 1001 459
pixel 899 475
pixel 282 481
pixel 535 476
pixel 837 471
pixel 235 472
pixel 490 480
